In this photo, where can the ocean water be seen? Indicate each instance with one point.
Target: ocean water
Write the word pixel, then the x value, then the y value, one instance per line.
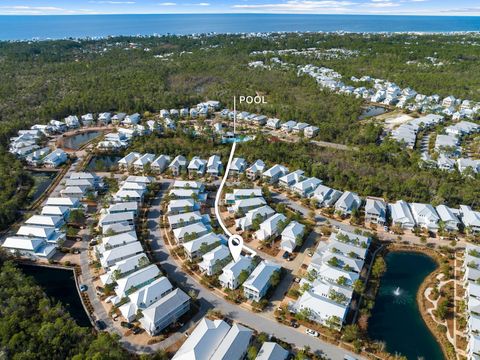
pixel 81 26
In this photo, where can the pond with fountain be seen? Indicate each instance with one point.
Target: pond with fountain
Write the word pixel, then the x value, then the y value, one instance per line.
pixel 396 319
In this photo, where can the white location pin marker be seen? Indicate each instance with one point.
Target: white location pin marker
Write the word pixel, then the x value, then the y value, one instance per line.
pixel 235 244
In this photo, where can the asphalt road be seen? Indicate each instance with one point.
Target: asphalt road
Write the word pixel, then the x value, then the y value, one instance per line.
pixel 209 300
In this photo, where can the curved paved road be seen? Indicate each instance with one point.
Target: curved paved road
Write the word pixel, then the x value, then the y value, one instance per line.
pixel 209 300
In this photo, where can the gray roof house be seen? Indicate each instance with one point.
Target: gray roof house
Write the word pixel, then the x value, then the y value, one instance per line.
pixel 326 196
pixel 375 211
pixel 272 351
pixel 203 341
pixel 165 311
pixel 255 170
pixel 348 202
pixel 290 234
pixel 234 345
pixel 257 284
pixel 273 174
pixel 401 215
pixel 425 216
pixel 448 217
pixel 229 276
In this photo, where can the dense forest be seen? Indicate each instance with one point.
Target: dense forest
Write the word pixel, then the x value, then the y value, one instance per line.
pixel 33 327
pixel 52 79
pixel 386 170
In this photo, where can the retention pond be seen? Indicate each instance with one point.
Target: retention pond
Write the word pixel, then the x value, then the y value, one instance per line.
pixel 396 319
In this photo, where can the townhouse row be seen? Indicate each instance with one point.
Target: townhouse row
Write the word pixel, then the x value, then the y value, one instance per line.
pixel 192 231
pixel 471 283
pixel 141 292
pixel 327 290
pixel 41 234
pixel 178 165
pixel 290 126
pixel 253 213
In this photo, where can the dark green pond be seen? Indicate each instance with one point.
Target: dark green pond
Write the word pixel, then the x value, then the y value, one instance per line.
pixel 41 182
pixel 75 142
pixel 102 162
pixel 396 319
pixel 59 285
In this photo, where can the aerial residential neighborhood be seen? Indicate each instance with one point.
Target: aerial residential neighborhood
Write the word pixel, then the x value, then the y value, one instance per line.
pixel 241 180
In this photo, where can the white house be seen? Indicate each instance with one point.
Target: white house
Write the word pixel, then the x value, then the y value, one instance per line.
pixel 258 283
pixel 144 297
pixel 184 219
pixel 272 351
pixel 197 166
pixel 46 220
pixel 112 256
pixel 401 215
pixel 255 170
pixel 290 235
pixel 179 206
pixel 141 162
pixel 30 247
pixel 321 309
pixel 326 196
pixel 160 164
pixel 234 345
pixel 273 174
pixel 123 268
pixel 177 165
pixel 237 166
pixel 203 341
pixel 270 227
pixel 448 217
pixel 214 165
pixel 165 311
pixel 192 231
pixel 230 273
pixel 258 214
pixel 290 179
pixel 193 248
pixel 136 280
pixel 425 216
pixel 212 260
pixel 470 218
pixel 128 160
pixel 109 219
pixel 55 158
pixel 348 202
pixel 245 205
pixel 375 211
pixel 306 187
pixel 311 131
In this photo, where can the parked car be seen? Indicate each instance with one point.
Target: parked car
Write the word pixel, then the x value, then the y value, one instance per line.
pixel 126 325
pixel 136 330
pixel 100 324
pixel 294 324
pixel 311 332
pixel 83 287
pixel 286 255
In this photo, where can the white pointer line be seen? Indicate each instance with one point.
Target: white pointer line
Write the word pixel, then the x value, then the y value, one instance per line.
pixel 224 180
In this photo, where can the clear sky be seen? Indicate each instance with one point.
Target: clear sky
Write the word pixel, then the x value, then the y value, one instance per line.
pixel 387 7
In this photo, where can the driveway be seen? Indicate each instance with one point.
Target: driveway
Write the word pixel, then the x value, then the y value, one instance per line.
pixel 208 300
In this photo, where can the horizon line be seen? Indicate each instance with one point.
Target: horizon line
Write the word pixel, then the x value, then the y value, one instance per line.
pixel 245 13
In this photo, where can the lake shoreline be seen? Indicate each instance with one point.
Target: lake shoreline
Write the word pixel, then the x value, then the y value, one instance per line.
pixel 21 264
pixel 440 338
pixel 378 326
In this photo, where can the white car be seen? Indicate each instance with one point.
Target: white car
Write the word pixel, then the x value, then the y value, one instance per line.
pixel 311 332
